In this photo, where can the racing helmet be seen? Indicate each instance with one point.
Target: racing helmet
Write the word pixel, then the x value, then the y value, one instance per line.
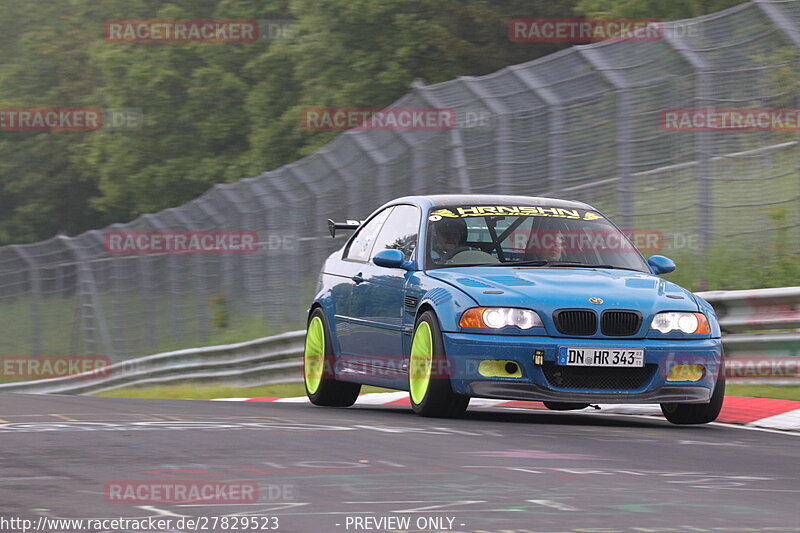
pixel 450 226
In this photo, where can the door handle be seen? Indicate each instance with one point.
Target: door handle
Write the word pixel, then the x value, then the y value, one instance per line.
pixel 358 278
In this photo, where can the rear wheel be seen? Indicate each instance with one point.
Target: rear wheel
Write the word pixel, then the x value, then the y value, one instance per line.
pixel 697 413
pixel 318 365
pixel 428 380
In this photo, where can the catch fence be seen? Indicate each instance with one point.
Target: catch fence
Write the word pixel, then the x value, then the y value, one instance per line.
pixel 584 124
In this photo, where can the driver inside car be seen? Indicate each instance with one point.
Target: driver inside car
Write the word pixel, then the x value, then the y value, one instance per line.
pixel 554 251
pixel 449 245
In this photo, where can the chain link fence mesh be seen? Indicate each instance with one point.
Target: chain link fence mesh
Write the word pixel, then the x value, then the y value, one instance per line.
pixel 582 124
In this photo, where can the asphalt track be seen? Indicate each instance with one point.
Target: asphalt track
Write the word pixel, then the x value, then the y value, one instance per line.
pixel 319 470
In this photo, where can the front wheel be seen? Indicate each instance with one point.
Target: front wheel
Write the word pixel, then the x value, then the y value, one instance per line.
pixel 428 378
pixel 318 365
pixel 696 413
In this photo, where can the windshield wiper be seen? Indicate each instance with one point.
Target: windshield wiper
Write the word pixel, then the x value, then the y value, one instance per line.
pixel 540 263
pixel 537 263
pixel 584 265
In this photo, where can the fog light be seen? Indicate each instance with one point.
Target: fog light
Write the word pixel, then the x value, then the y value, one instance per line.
pixel 499 369
pixel 686 373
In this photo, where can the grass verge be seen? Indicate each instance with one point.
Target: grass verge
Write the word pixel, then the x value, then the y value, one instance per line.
pixel 780 392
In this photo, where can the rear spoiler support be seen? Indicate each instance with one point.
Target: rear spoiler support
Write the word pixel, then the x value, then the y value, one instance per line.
pixel 347 225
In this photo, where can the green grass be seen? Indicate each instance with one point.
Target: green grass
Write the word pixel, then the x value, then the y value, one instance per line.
pixel 62 331
pixel 785 392
pixel 287 390
pixel 188 391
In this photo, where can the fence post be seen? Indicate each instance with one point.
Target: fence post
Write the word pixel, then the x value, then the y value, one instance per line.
pixel 36 331
pixel 501 138
pixel 702 142
pixel 172 283
pixel 88 288
pixel 218 222
pixel 786 25
pixel 555 122
pixel 230 260
pixel 783 21
pixel 459 160
pixel 625 183
pixel 274 202
pixel 201 292
pixel 378 159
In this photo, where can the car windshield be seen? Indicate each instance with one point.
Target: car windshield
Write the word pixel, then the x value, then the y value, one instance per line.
pixel 524 235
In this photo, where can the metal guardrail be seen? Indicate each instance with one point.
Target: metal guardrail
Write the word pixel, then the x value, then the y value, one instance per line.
pixel 752 322
pixel 760 325
pixel 268 360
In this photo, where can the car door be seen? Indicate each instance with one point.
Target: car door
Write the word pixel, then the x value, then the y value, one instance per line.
pixel 349 274
pixel 378 301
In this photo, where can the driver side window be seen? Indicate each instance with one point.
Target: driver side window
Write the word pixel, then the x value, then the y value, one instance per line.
pixel 400 231
pixel 360 247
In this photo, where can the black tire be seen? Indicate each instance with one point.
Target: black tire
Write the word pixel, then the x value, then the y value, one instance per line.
pixel 697 413
pixel 564 406
pixel 330 392
pixel 439 400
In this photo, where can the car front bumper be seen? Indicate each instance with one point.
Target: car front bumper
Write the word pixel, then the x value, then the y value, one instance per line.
pixel 465 352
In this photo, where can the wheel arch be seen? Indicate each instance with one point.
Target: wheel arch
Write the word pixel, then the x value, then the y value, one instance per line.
pixel 423 308
pixel 314 307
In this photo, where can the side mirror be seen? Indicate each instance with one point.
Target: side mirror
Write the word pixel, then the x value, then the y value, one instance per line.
pixel 390 259
pixel 661 265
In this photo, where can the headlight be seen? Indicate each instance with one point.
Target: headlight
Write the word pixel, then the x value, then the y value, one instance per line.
pixel 690 323
pixel 500 317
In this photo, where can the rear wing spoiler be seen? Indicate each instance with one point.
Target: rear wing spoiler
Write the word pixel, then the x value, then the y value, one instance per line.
pixel 347 225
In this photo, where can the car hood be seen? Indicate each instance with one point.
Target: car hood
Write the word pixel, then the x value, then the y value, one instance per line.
pixel 548 289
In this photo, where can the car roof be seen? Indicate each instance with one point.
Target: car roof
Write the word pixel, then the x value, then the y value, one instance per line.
pixel 487 199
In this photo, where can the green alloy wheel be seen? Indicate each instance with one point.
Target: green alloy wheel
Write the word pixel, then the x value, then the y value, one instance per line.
pixel 314 358
pixel 420 362
pixel 318 364
pixel 428 377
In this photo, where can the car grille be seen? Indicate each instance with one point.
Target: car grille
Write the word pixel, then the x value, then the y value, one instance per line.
pixel 575 321
pixel 620 323
pixel 593 377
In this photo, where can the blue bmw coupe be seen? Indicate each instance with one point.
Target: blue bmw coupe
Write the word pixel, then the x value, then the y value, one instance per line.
pixel 457 296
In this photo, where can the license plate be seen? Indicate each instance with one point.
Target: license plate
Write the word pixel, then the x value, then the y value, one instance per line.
pixel 583 356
